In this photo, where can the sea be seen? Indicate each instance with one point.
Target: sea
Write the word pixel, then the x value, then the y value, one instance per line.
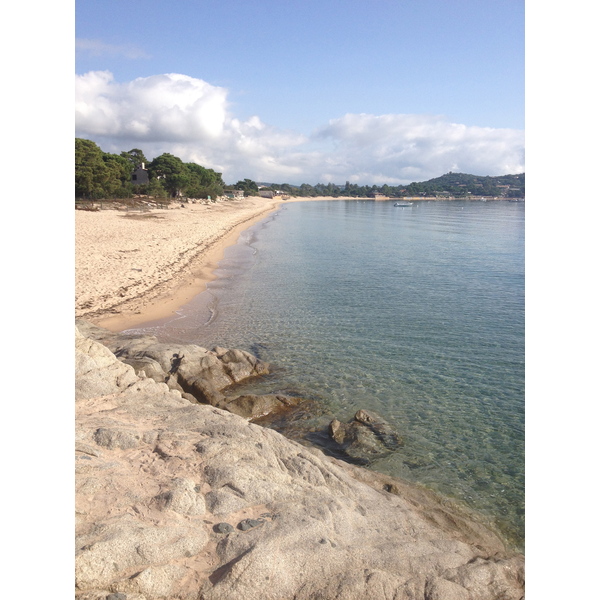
pixel 415 313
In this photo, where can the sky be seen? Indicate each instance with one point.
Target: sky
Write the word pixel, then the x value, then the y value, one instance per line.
pixel 307 91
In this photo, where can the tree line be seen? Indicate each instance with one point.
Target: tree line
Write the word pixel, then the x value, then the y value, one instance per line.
pixel 100 174
pixel 456 185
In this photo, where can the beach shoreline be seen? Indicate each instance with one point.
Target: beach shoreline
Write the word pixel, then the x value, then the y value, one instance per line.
pixel 135 267
pixel 177 249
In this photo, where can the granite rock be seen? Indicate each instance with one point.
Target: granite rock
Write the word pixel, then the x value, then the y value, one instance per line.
pixel 188 368
pixel 146 512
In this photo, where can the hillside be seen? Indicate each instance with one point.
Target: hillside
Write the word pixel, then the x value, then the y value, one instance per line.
pixel 462 184
pixel 456 185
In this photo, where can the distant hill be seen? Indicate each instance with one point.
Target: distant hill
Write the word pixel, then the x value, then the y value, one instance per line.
pixel 461 184
pixel 457 185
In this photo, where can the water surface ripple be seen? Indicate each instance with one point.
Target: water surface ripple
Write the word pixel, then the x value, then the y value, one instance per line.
pixel 416 313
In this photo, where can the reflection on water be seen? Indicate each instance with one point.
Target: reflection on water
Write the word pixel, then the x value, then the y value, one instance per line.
pixel 416 313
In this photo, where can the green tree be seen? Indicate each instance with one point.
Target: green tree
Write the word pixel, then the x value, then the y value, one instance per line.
pixel 250 187
pixel 332 190
pixel 135 156
pixel 203 182
pixel 173 173
pixel 306 190
pixel 155 188
pixel 91 172
pixel 118 182
pixel 287 188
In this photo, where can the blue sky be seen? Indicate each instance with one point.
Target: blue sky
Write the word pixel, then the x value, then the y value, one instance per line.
pixel 378 91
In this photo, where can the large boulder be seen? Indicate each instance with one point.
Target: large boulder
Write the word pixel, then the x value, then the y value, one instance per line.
pixel 187 501
pixel 185 367
pixel 200 375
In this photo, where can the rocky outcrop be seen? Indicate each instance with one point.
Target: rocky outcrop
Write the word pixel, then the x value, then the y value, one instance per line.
pixel 182 500
pixel 197 373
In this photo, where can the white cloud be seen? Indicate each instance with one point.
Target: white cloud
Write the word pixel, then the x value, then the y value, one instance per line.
pixel 403 148
pixel 191 118
pixel 161 108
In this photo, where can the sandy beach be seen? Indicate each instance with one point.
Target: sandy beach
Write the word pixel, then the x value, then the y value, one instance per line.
pixel 132 267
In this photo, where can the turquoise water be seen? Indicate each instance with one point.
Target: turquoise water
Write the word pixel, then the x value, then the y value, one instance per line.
pixel 416 313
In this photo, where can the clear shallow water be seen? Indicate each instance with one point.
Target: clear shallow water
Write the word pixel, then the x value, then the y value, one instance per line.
pixel 416 313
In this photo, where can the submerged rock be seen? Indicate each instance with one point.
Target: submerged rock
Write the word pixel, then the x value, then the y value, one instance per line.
pixel 389 437
pixel 367 437
pixel 251 406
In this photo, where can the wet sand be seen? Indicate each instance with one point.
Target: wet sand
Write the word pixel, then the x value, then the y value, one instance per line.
pixel 132 267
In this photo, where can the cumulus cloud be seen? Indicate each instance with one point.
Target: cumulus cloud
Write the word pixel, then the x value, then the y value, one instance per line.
pixel 403 148
pixel 161 108
pixel 192 119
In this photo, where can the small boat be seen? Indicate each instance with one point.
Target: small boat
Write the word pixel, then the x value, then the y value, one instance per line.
pixel 403 204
